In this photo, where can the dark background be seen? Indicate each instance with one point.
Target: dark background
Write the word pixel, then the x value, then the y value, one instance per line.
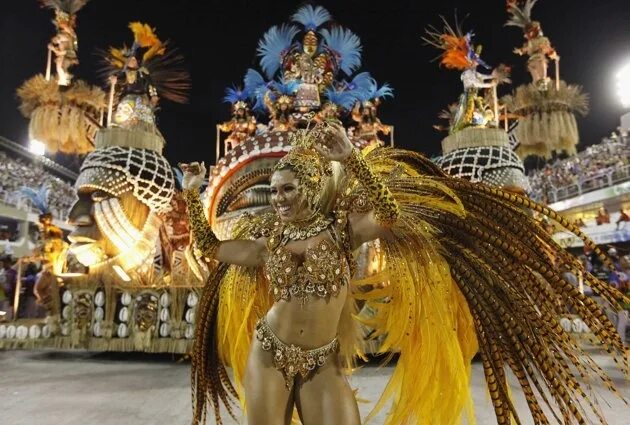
pixel 219 38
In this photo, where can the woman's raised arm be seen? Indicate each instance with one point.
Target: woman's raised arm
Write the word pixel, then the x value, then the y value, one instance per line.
pixel 240 252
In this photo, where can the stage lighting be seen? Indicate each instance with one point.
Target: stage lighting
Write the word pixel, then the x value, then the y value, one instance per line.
pixel 623 85
pixel 36 147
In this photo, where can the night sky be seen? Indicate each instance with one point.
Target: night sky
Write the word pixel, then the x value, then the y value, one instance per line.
pixel 219 42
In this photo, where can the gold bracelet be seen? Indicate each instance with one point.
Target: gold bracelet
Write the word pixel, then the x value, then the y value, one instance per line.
pixel 205 238
pixel 385 206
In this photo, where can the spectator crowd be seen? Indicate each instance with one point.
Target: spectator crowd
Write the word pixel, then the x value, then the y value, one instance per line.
pixel 588 169
pixel 16 174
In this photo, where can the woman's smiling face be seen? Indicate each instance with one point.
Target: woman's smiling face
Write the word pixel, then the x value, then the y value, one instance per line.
pixel 287 198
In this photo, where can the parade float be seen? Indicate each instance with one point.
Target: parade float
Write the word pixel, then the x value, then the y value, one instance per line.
pixel 477 147
pixel 126 282
pixel 64 113
pixel 131 279
pixel 545 108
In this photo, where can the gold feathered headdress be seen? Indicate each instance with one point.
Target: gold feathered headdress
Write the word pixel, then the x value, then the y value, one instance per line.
pixel 311 168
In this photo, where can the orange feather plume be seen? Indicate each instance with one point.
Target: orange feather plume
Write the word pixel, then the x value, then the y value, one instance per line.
pixel 455 54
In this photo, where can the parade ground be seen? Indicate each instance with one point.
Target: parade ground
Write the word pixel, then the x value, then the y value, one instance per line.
pixel 80 388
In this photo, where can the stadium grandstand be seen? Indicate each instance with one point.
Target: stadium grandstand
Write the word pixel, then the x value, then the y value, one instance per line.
pixel 18 218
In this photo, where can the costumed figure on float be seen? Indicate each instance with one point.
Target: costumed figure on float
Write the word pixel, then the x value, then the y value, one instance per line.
pixel 48 252
pixel 243 122
pixel 311 63
pixel 65 45
pixel 64 113
pixel 476 148
pixel 545 110
pixel 365 112
pixel 338 101
pixel 537 47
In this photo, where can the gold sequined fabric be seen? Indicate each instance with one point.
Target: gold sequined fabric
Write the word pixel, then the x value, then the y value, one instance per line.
pixel 292 360
pixel 322 273
pixel 205 238
pixel 301 231
pixel 385 206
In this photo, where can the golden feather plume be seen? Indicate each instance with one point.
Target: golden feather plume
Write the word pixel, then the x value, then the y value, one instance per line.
pixel 144 35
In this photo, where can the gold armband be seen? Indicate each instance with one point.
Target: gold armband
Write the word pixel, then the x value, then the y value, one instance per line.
pixel 205 238
pixel 385 206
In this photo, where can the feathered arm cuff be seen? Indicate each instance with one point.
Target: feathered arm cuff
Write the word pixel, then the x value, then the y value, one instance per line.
pixel 386 208
pixel 205 238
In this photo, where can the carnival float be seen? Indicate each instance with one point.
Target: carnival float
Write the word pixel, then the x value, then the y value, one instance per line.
pixel 131 278
pixel 124 282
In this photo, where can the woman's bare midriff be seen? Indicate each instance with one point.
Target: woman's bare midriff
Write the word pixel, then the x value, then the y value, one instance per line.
pixel 309 324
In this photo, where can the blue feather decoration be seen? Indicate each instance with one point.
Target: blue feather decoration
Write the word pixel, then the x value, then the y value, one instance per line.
pixel 383 92
pixel 253 81
pixel 361 82
pixel 39 199
pixel 367 88
pixel 286 87
pixel 311 17
pixel 273 46
pixel 234 94
pixel 346 47
pixel 341 98
pixel 256 87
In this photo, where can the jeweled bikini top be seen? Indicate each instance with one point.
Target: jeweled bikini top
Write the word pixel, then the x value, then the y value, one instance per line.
pixel 322 273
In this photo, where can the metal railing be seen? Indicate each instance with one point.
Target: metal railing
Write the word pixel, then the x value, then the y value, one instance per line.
pixel 605 178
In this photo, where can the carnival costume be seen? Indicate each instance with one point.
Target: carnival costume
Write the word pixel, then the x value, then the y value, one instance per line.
pixel 364 113
pixel 466 269
pixel 242 124
pixel 301 61
pixel 50 248
pixel 459 53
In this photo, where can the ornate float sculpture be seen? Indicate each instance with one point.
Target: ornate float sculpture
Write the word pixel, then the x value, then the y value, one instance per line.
pixel 127 282
pixel 545 109
pixel 476 148
pixel 307 74
pixel 64 113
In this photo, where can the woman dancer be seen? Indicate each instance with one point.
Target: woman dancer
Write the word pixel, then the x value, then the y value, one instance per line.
pixel 466 269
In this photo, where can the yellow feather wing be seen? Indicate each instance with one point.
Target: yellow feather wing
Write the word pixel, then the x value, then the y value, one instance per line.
pixel 468 269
